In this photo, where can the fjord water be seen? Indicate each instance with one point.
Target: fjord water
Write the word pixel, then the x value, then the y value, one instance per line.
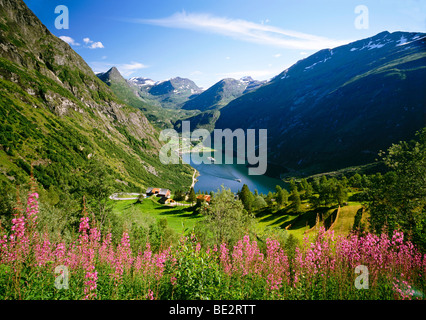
pixel 213 176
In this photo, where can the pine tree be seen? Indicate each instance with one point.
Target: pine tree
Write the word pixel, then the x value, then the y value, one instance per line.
pixel 295 198
pixel 293 185
pixel 192 197
pixel 340 194
pixel 268 198
pixel 282 197
pixel 246 197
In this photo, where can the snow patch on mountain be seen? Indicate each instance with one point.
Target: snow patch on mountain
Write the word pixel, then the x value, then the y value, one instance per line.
pixel 313 65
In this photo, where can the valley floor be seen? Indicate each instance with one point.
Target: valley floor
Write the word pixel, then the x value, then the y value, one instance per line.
pixel 308 221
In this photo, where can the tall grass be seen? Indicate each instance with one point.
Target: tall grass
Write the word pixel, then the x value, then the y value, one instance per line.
pixel 323 267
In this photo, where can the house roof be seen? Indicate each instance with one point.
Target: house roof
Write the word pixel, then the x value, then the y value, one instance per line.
pixel 163 192
pixel 206 197
pixel 158 191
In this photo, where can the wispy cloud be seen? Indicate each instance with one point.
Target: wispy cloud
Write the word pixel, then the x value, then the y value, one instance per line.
pixel 196 73
pixel 69 40
pixel 243 30
pixel 126 69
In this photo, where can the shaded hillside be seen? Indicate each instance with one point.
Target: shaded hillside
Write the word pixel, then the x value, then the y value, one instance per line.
pixel 216 97
pixel 339 107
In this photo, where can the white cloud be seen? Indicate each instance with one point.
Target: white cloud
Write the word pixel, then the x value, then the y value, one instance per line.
pixel 228 58
pixel 277 55
pixel 69 40
pixel 93 45
pixel 96 45
pixel 244 31
pixel 126 69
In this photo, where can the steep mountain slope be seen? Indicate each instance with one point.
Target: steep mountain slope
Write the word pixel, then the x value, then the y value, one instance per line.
pixel 129 92
pixel 59 118
pixel 339 107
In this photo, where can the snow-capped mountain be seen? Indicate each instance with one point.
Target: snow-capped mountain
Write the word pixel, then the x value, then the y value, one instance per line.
pixel 251 84
pixel 339 106
pixel 171 93
pixel 222 93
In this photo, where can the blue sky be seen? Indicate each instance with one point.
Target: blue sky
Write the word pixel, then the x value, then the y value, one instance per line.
pixel 207 41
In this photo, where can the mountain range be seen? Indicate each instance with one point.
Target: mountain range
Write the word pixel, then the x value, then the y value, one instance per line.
pixel 334 109
pixel 170 93
pixel 168 102
pixel 338 107
pixel 221 93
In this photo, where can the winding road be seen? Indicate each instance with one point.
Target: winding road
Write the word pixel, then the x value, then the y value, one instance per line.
pixel 194 180
pixel 116 196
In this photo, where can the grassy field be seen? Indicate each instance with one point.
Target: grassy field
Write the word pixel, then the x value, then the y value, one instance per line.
pixel 298 224
pixel 181 219
pixel 178 218
pixel 345 220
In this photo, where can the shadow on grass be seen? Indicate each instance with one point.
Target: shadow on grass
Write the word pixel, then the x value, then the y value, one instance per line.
pixel 267 214
pixel 309 218
pixel 182 212
pixel 296 220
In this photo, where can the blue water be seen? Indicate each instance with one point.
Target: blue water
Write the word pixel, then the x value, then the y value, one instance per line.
pixel 212 176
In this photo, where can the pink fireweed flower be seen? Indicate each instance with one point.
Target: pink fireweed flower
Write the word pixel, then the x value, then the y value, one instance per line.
pixel 60 252
pixel 403 289
pixel 124 252
pixel 32 208
pixel 150 295
pixel 106 250
pixel 224 258
pixel 276 264
pixel 43 252
pixel 84 224
pixel 90 284
pixel 246 257
pixel 18 227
